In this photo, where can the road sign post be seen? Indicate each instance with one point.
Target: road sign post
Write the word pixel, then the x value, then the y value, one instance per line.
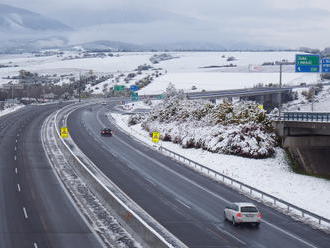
pixel 307 63
pixel 155 137
pixel 64 132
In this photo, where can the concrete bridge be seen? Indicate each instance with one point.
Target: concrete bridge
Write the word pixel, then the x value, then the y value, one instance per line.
pixel 269 97
pixel 306 135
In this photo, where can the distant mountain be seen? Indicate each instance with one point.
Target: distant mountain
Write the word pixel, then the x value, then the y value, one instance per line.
pixel 15 20
pixel 186 46
pixel 21 45
pixel 104 45
pixel 124 15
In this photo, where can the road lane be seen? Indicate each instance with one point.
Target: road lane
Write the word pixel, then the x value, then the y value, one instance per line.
pixel 188 204
pixel 35 211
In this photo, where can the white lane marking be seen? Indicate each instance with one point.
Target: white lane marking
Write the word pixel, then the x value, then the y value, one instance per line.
pixel 35 245
pixel 25 213
pixel 16 140
pixel 206 190
pixel 150 181
pixel 231 235
pixel 16 170
pixel 15 158
pixel 18 187
pixel 17 135
pixel 289 234
pixel 187 206
pixel 15 148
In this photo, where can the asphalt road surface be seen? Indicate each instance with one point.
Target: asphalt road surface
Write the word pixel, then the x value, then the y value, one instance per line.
pixel 35 211
pixel 188 204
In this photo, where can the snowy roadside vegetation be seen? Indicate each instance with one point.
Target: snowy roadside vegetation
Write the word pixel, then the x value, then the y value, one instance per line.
pixel 7 109
pixel 230 128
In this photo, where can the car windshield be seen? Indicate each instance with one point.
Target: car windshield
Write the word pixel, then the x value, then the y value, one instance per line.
pixel 249 210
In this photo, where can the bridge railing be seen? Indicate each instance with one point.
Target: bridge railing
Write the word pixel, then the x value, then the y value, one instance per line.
pixel 306 116
pixel 248 190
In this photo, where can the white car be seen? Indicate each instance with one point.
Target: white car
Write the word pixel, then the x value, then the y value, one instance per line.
pixel 242 212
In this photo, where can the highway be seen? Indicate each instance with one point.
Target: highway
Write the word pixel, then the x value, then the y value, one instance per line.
pixel 35 210
pixel 188 204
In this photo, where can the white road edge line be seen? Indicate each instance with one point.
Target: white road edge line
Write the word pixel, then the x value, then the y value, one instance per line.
pixel 206 190
pixel 18 188
pixel 119 200
pixel 25 213
pixel 289 234
pixel 187 206
pixel 52 118
pixel 231 235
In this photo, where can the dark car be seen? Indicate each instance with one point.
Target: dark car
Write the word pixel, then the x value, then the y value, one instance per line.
pixel 106 132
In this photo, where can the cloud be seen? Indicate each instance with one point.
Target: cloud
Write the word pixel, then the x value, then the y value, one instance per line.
pixel 285 23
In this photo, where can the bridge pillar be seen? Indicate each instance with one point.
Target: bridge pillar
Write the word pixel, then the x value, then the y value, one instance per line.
pixel 308 143
pixel 276 99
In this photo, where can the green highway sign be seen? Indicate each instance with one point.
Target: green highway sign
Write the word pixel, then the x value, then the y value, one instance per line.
pixel 119 87
pixel 307 63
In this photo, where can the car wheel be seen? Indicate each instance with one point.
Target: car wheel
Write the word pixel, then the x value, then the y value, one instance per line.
pixel 257 224
pixel 234 222
pixel 224 216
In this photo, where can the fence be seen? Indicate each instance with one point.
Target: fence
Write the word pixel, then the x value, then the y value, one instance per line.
pixel 306 116
pixel 246 188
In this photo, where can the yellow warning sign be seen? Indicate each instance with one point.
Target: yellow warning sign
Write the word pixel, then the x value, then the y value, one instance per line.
pixel 64 132
pixel 155 137
pixel 261 107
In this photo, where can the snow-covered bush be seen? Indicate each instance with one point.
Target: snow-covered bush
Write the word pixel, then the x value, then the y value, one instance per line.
pixel 135 119
pixel 240 128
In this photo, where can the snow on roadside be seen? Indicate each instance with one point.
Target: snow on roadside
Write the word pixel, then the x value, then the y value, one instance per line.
pixel 271 175
pixel 321 102
pixel 10 109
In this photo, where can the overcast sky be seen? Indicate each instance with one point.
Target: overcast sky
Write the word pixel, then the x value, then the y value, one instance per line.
pixel 286 23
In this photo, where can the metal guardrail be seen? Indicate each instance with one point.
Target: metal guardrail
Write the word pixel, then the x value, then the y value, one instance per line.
pixel 149 230
pixel 238 92
pixel 250 190
pixel 306 116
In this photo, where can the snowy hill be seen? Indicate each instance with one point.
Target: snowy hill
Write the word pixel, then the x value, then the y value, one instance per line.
pixel 14 19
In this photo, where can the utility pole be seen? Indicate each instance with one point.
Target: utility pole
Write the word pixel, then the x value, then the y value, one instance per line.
pixel 280 97
pixel 79 87
pixel 12 94
pixel 313 96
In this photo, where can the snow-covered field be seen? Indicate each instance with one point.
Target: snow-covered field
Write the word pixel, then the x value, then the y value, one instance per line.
pixel 222 80
pixel 271 175
pixel 185 71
